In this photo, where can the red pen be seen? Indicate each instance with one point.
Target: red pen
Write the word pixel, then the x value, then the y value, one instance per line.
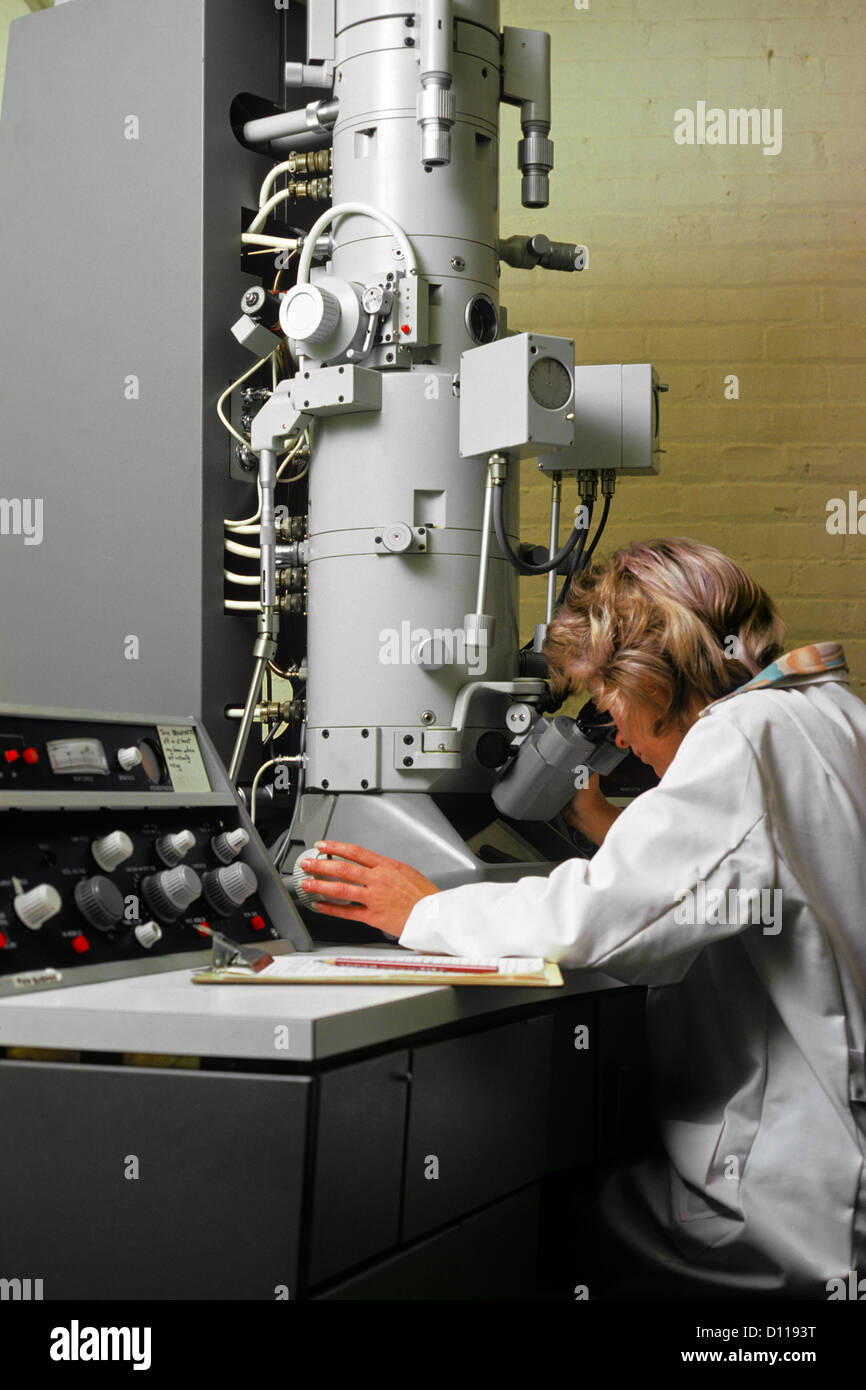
pixel 408 965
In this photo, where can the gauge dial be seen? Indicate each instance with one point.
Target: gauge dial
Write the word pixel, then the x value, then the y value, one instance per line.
pixel 549 383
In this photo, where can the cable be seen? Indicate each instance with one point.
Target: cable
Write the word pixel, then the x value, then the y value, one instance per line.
pixel 601 525
pixel 275 243
pixel 522 566
pixel 248 579
pixel 254 788
pixel 239 605
pixel 341 210
pixel 251 551
pixel 234 386
pixel 265 209
pixel 246 526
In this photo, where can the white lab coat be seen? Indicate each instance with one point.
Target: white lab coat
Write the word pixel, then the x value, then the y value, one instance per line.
pixel 756 1034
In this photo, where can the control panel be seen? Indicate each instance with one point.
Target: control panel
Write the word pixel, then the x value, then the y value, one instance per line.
pixel 120 841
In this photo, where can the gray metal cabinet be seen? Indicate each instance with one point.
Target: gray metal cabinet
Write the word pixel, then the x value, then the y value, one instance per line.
pixel 478 1121
pixel 150 1183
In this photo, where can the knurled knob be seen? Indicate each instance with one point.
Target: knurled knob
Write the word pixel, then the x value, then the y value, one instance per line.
pixel 34 907
pixel 228 846
pixel 172 848
pixel 99 901
pixel 147 934
pixel 171 891
pixel 111 850
pixel 309 314
pixel 229 887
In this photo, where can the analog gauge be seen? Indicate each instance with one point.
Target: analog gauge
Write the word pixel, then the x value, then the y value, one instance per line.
pixel 549 383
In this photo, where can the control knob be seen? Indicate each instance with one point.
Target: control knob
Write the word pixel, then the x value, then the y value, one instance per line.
pixel 172 848
pixel 128 758
pixel 147 934
pixel 36 906
pixel 111 850
pixel 171 891
pixel 228 846
pixel 229 887
pixel 99 901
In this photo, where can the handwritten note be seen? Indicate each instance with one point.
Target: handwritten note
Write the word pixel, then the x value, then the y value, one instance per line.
pixel 183 758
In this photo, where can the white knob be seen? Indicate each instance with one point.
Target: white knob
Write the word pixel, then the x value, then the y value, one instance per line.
pixel 309 314
pixel 147 934
pixel 172 848
pixel 111 850
pixel 129 758
pixel 227 846
pixel 35 908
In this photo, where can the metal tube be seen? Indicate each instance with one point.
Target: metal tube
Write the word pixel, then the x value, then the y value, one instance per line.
pixel 247 721
pixel 484 557
pixel 555 504
pixel 267 527
pixel 316 116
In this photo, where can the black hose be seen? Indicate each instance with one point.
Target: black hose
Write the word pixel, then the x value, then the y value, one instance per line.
pixel 522 566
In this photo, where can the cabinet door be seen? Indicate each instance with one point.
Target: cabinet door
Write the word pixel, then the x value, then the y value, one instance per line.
pixel 479 1115
pixel 358 1163
pixel 140 1183
pixel 491 1255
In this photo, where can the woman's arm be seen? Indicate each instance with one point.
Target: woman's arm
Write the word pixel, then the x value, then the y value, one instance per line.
pixel 590 812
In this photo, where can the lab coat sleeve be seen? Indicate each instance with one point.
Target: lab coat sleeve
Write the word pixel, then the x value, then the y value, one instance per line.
pixel 625 911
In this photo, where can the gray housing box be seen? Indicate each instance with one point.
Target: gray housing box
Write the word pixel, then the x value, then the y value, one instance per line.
pixel 616 421
pixel 497 409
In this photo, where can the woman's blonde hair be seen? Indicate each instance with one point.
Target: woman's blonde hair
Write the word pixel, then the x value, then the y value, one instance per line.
pixel 665 623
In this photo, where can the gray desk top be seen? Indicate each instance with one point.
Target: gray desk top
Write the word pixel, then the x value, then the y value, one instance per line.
pixel 167 1014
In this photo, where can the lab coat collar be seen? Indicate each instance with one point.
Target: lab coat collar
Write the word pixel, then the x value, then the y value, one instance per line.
pixel 821 660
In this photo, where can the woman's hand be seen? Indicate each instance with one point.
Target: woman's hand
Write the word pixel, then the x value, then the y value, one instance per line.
pixel 590 812
pixel 382 892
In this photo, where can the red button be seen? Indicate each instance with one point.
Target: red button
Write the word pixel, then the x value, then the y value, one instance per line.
pixel 4 941
pixel 11 755
pixel 30 755
pixel 405 328
pixel 258 923
pixel 80 944
pixel 203 933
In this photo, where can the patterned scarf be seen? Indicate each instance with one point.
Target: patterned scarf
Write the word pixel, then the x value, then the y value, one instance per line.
pixel 794 668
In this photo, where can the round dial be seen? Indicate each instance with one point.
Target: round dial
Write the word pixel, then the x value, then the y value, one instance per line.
pixel 549 383
pixel 171 891
pixel 229 887
pixel 99 901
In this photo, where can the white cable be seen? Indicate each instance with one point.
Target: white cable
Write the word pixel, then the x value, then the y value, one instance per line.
pixel 239 605
pixel 287 167
pixel 341 210
pixel 265 209
pixel 255 786
pixel 251 551
pixel 251 579
pixel 246 525
pixel 234 386
pixel 278 243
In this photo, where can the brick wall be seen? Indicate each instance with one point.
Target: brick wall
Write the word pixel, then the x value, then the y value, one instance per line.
pixel 711 260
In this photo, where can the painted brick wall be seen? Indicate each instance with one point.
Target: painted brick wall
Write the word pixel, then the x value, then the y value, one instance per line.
pixel 710 260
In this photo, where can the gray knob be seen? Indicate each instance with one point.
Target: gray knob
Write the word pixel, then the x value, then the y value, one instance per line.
pixel 171 891
pixel 99 901
pixel 228 846
pixel 172 848
pixel 229 887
